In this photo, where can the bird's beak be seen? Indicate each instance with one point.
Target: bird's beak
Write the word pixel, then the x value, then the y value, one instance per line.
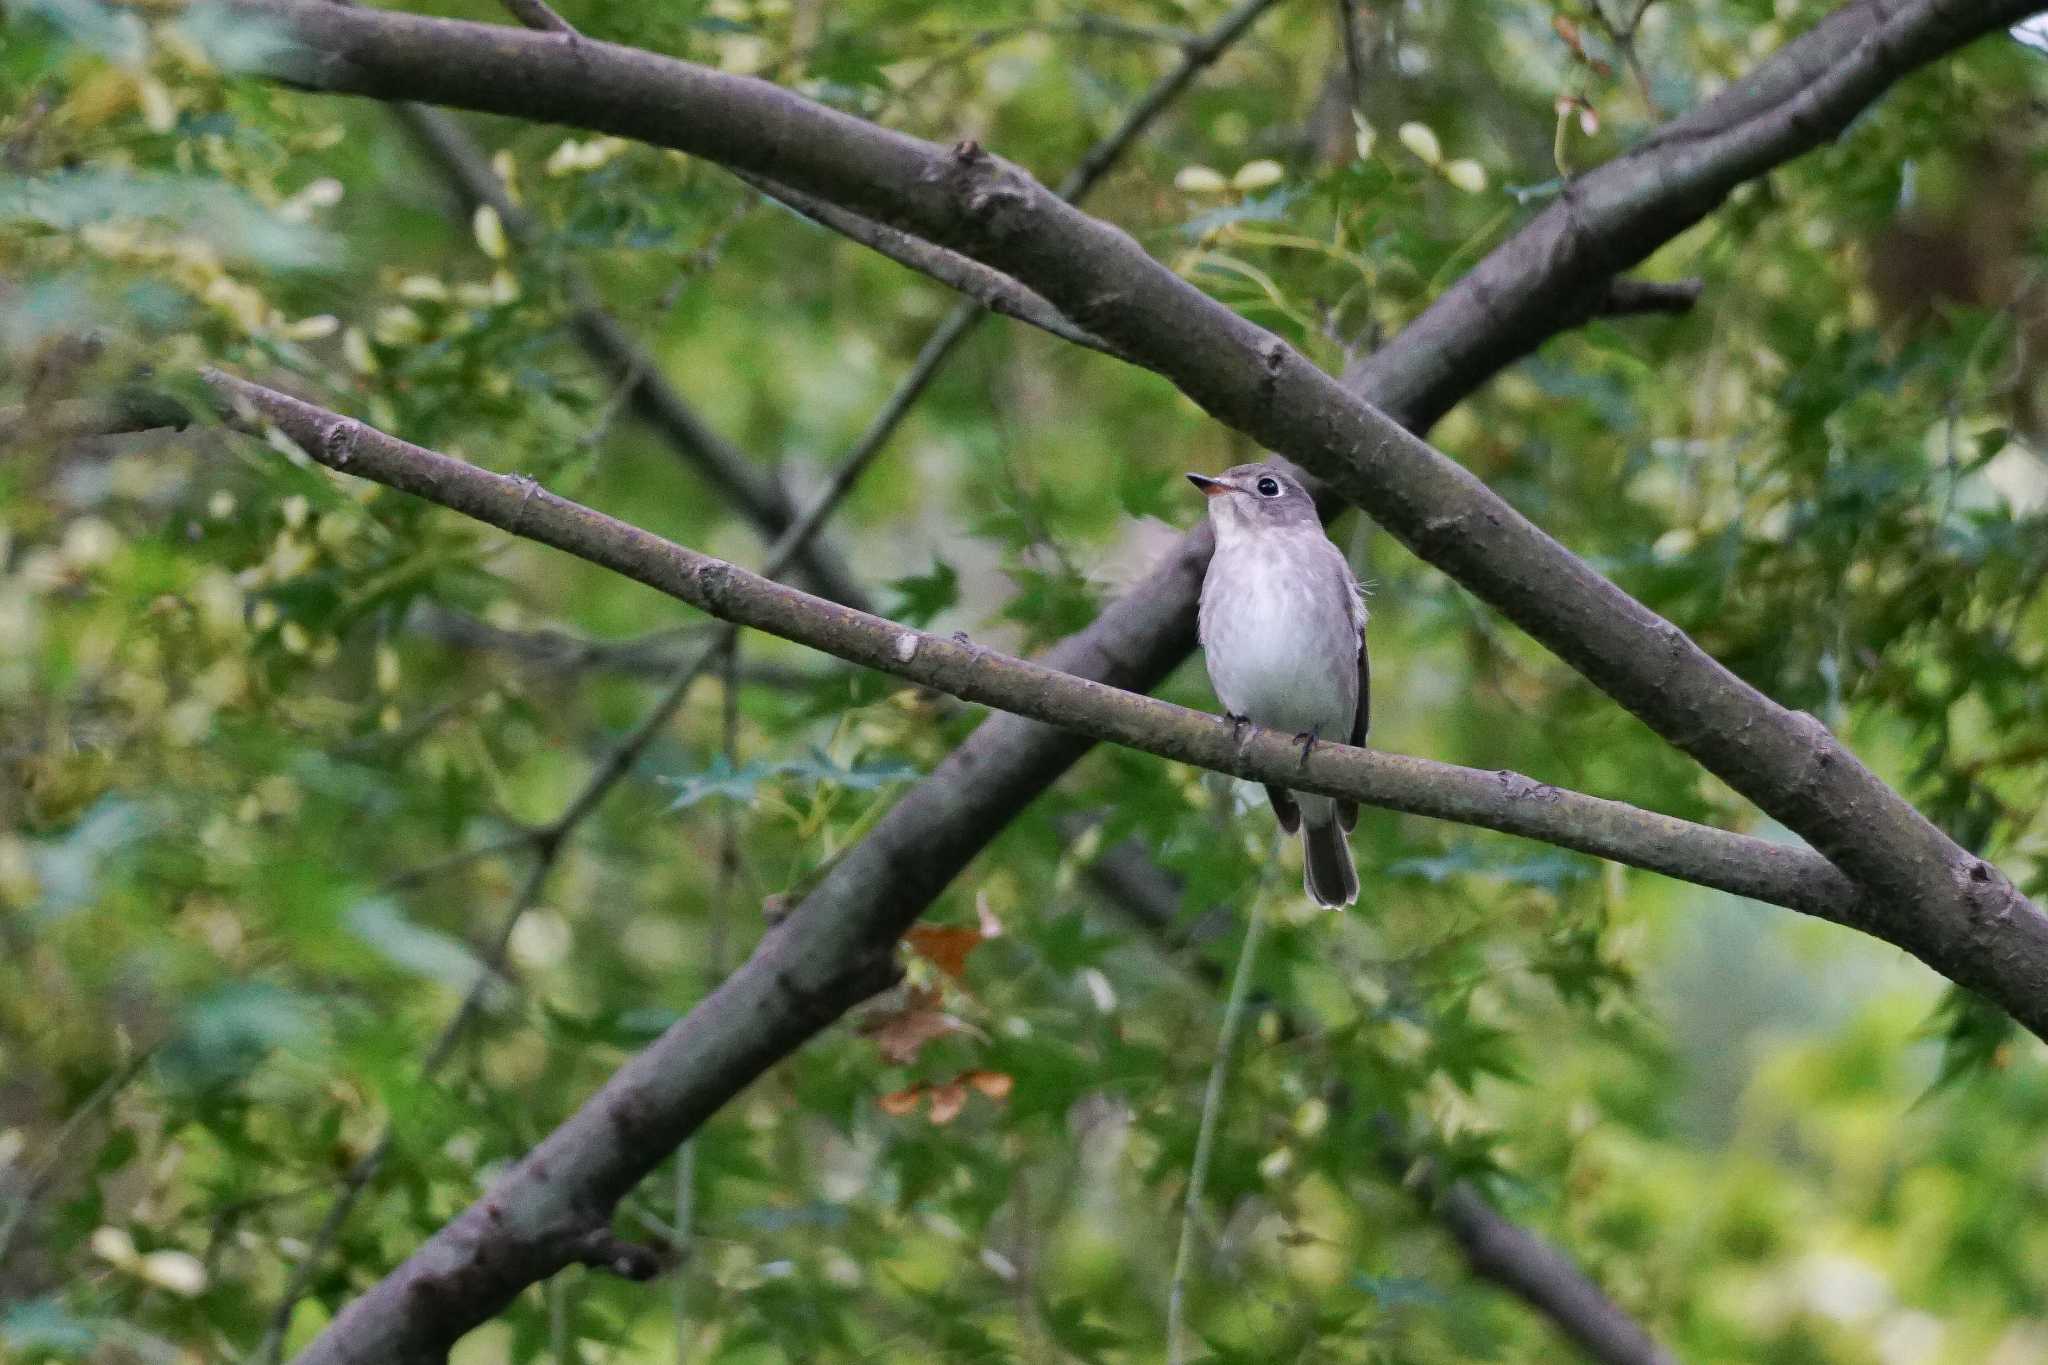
pixel 1210 487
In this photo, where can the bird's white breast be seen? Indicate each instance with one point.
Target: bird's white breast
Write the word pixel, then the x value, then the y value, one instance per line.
pixel 1281 643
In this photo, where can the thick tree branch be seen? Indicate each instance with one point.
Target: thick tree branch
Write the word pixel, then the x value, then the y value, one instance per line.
pixel 1745 866
pixel 1955 910
pixel 1502 1250
pixel 992 289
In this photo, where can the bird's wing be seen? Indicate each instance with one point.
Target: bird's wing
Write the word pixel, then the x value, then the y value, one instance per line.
pixel 1361 723
pixel 1354 599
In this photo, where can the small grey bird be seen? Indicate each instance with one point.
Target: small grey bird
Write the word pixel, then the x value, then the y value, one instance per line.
pixel 1283 633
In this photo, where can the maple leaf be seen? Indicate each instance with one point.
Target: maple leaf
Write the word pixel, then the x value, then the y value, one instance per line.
pixel 897 1103
pixel 994 1084
pixel 949 1100
pixel 946 946
pixel 900 1033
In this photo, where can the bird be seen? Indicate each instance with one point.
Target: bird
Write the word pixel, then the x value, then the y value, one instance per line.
pixel 1282 627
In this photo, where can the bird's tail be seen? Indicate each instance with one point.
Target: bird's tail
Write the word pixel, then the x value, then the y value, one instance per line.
pixel 1326 870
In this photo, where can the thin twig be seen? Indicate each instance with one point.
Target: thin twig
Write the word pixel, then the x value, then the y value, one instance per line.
pixel 547 842
pixel 1205 1136
pixel 535 14
pixel 1086 174
pixel 991 289
pixel 1796 877
pixel 456 861
pixel 1627 296
pixel 725 880
pixel 1354 54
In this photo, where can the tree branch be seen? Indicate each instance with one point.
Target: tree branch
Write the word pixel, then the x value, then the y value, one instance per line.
pixel 653 657
pixel 126 410
pixel 992 289
pixel 1955 911
pixel 1499 1249
pixel 1740 864
pixel 1627 297
pixel 536 15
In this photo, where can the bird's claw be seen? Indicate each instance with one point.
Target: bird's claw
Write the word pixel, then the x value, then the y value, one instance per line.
pixel 1307 740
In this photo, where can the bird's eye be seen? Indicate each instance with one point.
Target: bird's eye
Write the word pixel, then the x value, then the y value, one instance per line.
pixel 1269 488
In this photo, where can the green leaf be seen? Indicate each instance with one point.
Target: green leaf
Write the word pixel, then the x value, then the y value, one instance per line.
pixel 1395 1291
pixel 405 943
pixel 70 868
pixel 720 779
pixel 1976 1038
pixel 46 1326
pixel 819 767
pixel 921 597
pixel 227 1032
pixel 1466 1049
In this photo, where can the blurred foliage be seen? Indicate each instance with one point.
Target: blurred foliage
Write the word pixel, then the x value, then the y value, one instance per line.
pixel 232 718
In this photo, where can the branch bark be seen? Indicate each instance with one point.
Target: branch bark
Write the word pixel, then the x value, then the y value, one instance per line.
pixel 1502 1250
pixel 1954 910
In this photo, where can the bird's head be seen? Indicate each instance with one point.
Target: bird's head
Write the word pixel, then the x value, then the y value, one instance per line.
pixel 1255 497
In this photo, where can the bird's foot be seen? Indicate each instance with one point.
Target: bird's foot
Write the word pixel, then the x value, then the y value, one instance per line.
pixel 1239 728
pixel 1307 740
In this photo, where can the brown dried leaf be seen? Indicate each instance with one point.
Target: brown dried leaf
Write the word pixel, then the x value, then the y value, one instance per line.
pixel 947 1102
pixel 897 1103
pixel 900 1033
pixel 994 1084
pixel 946 945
